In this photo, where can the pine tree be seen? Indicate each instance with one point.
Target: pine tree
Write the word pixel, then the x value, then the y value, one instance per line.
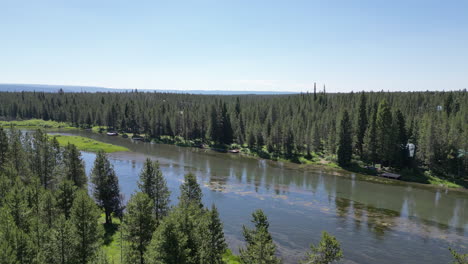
pixel 138 227
pixel 345 147
pixel 169 242
pixel 260 248
pixel 384 133
pixel 327 251
pixel 227 133
pixel 361 123
pixel 400 139
pixel 190 191
pixel 213 243
pixel 17 204
pixel 154 185
pixel 3 147
pixel 87 233
pixel 370 140
pixel 60 246
pixel 65 196
pixel 74 167
pixel 106 186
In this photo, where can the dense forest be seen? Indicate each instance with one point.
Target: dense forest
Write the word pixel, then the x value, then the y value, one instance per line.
pixel 351 129
pixel 48 216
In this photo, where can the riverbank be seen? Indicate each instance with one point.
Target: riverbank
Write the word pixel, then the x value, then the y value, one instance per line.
pixel 315 160
pixel 87 144
pixel 36 123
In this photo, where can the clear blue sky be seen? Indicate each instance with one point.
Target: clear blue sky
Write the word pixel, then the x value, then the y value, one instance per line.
pixel 237 45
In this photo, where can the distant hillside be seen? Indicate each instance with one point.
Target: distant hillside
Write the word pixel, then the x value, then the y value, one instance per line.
pixel 94 89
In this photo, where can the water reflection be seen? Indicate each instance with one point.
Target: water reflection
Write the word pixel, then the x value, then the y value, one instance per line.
pixel 399 223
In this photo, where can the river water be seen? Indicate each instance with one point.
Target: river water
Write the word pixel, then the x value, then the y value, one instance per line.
pixel 375 222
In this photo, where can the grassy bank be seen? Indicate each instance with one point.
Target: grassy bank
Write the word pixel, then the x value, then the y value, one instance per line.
pixel 87 144
pixel 112 244
pixel 36 123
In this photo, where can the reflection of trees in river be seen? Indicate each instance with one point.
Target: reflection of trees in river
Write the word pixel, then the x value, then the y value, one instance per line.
pixel 378 220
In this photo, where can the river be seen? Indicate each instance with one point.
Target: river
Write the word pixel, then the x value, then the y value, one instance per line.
pixel 375 222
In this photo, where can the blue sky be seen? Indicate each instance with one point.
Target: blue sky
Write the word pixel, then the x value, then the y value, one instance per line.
pixel 237 45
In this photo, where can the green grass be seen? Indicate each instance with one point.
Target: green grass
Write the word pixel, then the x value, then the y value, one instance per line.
pixel 37 123
pixel 428 177
pixel 230 258
pixel 112 239
pixel 87 144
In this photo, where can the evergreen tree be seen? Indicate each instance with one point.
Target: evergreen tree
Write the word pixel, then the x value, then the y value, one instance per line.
pixel 384 133
pixel 154 185
pixel 327 251
pixel 61 245
pixel 213 243
pixel 370 140
pixel 138 227
pixel 361 123
pixel 227 133
pixel 65 196
pixel 86 231
pixel 74 167
pixel 3 147
pixel 169 242
pixel 345 147
pixel 106 186
pixel 190 191
pixel 260 247
pixel 400 139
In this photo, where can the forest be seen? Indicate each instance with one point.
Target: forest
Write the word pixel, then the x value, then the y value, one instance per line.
pixel 48 216
pixel 354 130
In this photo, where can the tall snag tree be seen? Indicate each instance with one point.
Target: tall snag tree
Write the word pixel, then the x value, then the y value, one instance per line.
pixel 153 184
pixel 106 189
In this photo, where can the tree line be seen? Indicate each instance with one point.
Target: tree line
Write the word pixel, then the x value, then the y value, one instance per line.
pixel 368 127
pixel 48 216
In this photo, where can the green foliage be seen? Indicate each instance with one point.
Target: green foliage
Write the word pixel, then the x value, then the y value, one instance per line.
pixel 345 144
pixel 271 126
pixel 327 251
pixel 154 185
pixel 74 166
pixel 190 191
pixel 260 247
pixel 106 188
pixel 61 245
pixel 138 227
pixel 384 133
pixel 213 244
pixel 361 123
pixel 87 233
pixel 169 244
pixel 459 258
pixel 3 147
pixel 65 196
